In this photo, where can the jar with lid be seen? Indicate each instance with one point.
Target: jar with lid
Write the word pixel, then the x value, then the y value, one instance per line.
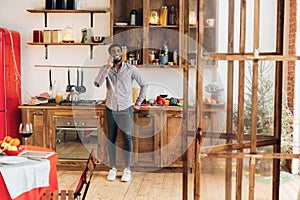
pixel 133 17
pixel 151 56
pixel 163 16
pixel 172 16
pixel 124 53
pixel 154 17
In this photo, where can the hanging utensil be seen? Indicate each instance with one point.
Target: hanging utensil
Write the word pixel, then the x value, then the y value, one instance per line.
pixel 50 80
pixel 77 88
pixel 69 82
pixel 82 89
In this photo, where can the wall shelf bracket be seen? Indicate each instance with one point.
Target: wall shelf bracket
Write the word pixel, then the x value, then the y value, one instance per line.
pixel 46 51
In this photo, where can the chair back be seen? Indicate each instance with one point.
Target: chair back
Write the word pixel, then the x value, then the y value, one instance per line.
pixel 86 176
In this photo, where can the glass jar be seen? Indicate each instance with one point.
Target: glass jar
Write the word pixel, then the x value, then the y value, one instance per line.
pixel 163 16
pixel 68 35
pixel 124 53
pixel 151 56
pixel 172 16
pixel 154 18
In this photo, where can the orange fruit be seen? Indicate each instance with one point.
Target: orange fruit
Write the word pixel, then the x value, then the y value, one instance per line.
pixel 15 142
pixel 7 139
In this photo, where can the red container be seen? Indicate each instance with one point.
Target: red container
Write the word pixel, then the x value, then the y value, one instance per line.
pixel 37 36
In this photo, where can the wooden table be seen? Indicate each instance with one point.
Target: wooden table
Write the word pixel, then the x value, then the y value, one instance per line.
pixel 34 194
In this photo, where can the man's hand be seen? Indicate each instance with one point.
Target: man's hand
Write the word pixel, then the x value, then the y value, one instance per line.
pixel 136 107
pixel 109 62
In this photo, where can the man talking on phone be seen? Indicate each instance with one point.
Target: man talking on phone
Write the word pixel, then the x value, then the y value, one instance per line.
pixel 119 78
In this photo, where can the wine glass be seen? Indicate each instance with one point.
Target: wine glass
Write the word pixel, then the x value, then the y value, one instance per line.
pixel 25 130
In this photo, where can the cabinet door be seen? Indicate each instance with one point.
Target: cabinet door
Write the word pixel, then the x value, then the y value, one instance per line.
pixel 146 140
pixel 37 118
pixel 171 148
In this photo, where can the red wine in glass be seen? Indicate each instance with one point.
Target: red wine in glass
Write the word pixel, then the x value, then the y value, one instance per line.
pixel 25 130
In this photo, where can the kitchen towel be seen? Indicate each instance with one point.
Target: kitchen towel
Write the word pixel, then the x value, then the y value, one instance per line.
pixel 25 176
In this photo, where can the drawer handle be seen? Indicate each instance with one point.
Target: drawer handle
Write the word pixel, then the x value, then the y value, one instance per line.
pixel 147 115
pixel 37 113
pixel 175 115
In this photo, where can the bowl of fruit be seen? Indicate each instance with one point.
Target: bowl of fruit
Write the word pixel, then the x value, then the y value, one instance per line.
pixel 11 146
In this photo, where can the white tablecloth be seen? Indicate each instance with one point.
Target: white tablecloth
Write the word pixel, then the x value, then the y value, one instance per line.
pixel 25 176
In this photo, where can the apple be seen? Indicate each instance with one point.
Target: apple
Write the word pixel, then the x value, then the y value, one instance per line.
pixel 20 148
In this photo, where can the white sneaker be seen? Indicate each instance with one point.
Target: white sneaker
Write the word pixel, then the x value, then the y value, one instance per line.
pixel 126 175
pixel 112 174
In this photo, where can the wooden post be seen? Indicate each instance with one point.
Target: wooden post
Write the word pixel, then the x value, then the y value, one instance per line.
pixel 241 116
pixel 251 178
pixel 278 100
pixel 229 120
pixel 185 66
pixel 198 143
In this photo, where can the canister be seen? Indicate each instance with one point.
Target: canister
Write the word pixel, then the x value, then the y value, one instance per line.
pixel 56 36
pixel 37 36
pixel 47 36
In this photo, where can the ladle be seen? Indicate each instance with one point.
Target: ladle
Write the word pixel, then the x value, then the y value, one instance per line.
pixel 82 89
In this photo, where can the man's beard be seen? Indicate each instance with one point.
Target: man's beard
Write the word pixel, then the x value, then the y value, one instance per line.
pixel 116 61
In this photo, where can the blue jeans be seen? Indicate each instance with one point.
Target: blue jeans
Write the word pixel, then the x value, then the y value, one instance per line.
pixel 123 120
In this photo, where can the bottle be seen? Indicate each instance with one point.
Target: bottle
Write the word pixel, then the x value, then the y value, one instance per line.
pixel 163 15
pixel 133 17
pixel 172 16
pixel 124 53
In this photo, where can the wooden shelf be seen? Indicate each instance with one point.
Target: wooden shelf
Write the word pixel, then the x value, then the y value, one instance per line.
pixel 67 11
pixel 127 26
pixel 45 12
pixel 168 26
pixel 66 44
pixel 67 66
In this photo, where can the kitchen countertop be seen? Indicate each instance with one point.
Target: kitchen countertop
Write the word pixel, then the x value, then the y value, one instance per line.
pixel 102 106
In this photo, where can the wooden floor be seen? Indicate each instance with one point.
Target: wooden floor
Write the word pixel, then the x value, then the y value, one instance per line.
pixel 167 186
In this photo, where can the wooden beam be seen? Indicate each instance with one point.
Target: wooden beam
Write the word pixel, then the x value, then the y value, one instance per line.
pixel 184 30
pixel 241 116
pixel 278 99
pixel 247 155
pixel 251 179
pixel 226 147
pixel 198 143
pixel 229 103
pixel 244 57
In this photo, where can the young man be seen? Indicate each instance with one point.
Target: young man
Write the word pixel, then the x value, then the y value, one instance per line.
pixel 119 78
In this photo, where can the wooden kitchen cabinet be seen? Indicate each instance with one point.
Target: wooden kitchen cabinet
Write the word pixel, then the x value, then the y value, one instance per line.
pixel 38 119
pixel 146 139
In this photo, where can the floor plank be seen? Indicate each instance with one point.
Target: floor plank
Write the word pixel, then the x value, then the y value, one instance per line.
pixel 168 186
